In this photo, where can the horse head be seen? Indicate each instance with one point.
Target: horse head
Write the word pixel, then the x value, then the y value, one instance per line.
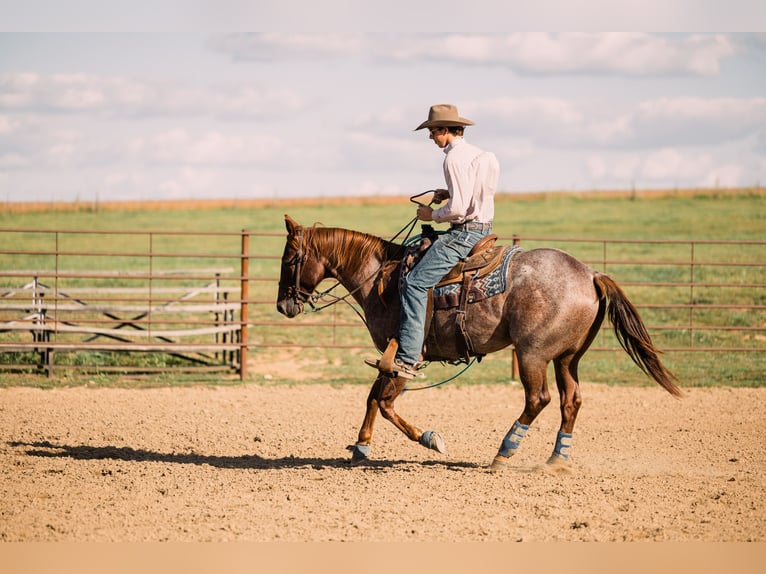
pixel 300 272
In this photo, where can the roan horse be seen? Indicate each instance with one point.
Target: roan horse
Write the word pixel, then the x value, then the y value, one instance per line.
pixel 551 311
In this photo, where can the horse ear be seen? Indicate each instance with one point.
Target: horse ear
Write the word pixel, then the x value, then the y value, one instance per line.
pixel 291 224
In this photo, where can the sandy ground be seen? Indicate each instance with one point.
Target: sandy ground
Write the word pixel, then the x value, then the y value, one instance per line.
pixel 269 463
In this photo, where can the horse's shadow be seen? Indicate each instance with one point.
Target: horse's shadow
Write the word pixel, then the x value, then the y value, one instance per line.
pixel 248 461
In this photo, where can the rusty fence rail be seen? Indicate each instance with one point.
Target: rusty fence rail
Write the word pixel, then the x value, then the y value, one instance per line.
pixel 118 300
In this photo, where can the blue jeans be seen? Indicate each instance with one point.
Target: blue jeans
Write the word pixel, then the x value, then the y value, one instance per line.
pixel 440 258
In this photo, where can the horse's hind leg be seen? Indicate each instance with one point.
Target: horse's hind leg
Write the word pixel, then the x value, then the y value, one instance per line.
pixel 382 396
pixel 534 378
pixel 570 398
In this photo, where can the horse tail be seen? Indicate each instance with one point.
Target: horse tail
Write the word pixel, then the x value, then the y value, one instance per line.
pixel 632 334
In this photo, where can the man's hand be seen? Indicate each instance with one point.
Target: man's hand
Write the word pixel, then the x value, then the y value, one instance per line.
pixel 425 213
pixel 440 195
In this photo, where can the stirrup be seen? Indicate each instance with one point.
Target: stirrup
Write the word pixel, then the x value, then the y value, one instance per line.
pixel 397 369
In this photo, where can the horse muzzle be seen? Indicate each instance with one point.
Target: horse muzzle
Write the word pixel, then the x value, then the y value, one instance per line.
pixel 289 307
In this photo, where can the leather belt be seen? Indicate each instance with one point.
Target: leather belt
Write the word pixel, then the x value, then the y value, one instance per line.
pixel 472 226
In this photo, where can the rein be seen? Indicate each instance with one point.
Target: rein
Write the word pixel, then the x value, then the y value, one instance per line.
pixel 452 378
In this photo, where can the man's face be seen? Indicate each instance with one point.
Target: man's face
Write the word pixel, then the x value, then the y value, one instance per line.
pixel 439 135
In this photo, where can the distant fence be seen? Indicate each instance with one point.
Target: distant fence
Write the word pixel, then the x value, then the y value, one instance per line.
pixel 119 300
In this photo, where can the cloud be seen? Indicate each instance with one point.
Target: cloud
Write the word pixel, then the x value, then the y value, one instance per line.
pixel 280 46
pixel 697 121
pixel 365 150
pixel 7 125
pixel 667 166
pixel 11 161
pixel 618 53
pixel 125 97
pixel 181 147
pixel 663 121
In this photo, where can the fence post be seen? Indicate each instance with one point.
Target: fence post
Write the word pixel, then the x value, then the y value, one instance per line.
pixel 244 295
pixel 514 357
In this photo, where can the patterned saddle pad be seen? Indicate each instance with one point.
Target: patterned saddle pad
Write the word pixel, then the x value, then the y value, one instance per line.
pixel 494 283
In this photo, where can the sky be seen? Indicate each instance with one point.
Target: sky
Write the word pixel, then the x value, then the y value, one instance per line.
pixel 191 114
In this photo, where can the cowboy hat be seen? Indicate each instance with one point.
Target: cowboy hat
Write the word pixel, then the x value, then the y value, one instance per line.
pixel 443 115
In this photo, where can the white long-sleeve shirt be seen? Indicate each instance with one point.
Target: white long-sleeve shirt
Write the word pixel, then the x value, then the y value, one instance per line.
pixel 471 175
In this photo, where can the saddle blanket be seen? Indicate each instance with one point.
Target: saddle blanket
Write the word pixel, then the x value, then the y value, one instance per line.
pixel 448 296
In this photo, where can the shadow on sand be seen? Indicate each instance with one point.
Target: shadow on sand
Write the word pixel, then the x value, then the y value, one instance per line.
pixel 248 461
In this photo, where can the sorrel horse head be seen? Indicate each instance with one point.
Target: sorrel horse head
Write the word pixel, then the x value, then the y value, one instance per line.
pixel 551 311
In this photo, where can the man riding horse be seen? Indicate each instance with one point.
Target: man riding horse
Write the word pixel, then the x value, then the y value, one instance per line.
pixel 471 175
pixel 550 309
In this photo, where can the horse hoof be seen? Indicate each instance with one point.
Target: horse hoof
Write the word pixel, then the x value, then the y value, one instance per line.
pixel 557 464
pixel 359 452
pixel 433 440
pixel 500 463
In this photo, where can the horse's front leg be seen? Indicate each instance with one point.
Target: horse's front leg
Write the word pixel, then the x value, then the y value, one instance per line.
pixel 361 450
pixel 383 394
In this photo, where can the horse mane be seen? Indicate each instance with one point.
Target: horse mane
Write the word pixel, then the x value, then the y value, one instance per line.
pixel 348 249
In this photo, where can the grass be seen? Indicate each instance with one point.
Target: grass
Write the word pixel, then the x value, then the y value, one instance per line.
pixel 538 219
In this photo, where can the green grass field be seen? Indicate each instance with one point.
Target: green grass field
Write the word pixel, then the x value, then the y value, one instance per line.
pixel 538 219
pixel 704 215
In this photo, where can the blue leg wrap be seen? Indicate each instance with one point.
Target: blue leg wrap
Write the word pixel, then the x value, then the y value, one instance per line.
pixel 360 452
pixel 513 438
pixel 433 440
pixel 563 445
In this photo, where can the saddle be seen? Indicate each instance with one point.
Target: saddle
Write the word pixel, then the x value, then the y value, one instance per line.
pixel 483 259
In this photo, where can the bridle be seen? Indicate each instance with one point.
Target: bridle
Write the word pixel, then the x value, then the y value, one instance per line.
pixel 294 291
pixel 300 296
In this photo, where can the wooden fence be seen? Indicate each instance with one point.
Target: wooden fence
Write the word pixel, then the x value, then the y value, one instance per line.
pixel 159 301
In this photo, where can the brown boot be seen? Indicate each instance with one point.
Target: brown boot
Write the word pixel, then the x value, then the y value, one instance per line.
pixel 398 368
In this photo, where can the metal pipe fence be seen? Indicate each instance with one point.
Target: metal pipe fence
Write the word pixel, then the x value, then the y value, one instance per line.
pixel 169 300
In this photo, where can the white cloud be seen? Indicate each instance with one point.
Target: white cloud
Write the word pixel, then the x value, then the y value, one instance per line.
pixel 181 147
pixel 120 96
pixel 666 167
pixel 539 118
pixel 725 176
pixel 669 164
pixel 598 167
pixel 369 188
pixel 6 126
pixel 188 182
pixel 13 161
pixel 363 150
pixel 695 121
pixel 623 53
pixel 659 122
pixel 278 46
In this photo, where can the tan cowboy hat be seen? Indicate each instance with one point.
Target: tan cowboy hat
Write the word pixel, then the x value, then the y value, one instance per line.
pixel 443 115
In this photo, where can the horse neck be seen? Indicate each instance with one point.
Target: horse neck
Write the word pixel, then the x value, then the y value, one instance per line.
pixel 352 257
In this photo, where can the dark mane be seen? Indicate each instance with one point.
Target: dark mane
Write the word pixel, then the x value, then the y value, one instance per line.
pixel 350 249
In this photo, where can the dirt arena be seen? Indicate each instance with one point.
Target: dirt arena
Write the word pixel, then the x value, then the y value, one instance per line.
pixel 269 463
